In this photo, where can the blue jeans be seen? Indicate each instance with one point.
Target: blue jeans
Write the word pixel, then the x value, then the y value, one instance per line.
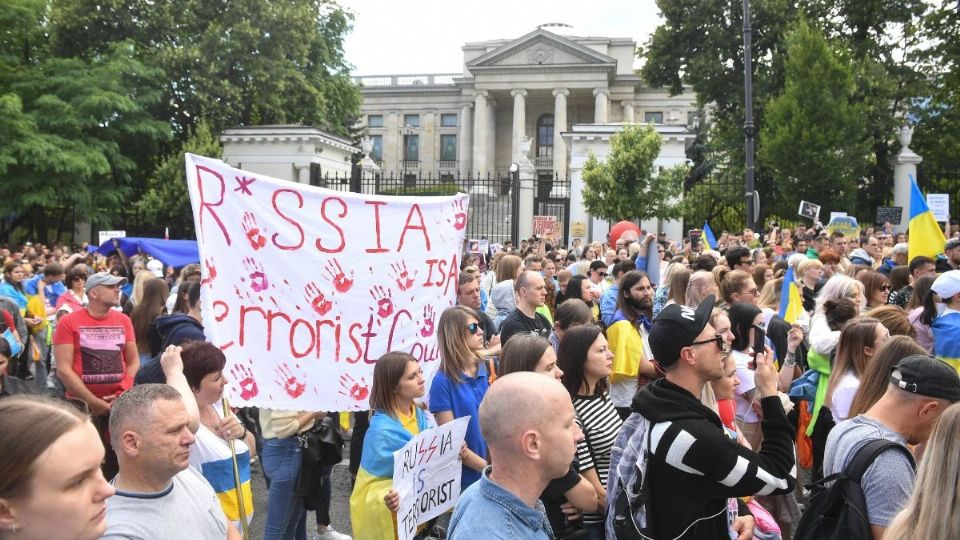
pixel 286 517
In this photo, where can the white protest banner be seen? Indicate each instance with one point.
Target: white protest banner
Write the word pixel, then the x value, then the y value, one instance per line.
pixel 426 475
pixel 305 288
pixel 939 204
pixel 107 235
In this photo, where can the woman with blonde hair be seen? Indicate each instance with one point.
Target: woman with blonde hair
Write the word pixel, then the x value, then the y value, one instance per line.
pixel 461 382
pixel 502 298
pixel 662 294
pixel 932 511
pixel 858 344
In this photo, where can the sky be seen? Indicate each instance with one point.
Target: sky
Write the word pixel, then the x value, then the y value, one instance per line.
pixel 392 37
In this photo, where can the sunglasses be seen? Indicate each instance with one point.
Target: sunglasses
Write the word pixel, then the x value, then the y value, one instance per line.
pixel 717 339
pixel 474 328
pixel 885 287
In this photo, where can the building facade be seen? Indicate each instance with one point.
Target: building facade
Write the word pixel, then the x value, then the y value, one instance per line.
pixel 470 124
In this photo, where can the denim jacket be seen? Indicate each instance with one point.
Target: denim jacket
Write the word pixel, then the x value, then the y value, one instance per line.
pixel 486 510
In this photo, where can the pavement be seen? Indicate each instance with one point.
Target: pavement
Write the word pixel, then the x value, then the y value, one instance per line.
pixel 339 504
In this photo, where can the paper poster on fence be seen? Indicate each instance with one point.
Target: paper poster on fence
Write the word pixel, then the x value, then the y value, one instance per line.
pixel 426 475
pixel 305 288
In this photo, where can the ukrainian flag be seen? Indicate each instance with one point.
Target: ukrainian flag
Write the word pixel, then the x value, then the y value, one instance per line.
pixel 946 338
pixel 791 304
pixel 926 236
pixel 220 475
pixel 707 237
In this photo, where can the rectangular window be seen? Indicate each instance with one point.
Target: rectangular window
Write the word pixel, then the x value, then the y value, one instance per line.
pixel 448 148
pixel 411 120
pixel 655 117
pixel 411 148
pixel 375 120
pixel 448 120
pixel 376 153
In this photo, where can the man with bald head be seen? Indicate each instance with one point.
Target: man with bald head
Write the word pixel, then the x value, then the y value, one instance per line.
pixel 528 422
pixel 531 292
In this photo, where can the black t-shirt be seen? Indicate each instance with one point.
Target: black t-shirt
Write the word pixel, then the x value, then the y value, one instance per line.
pixel 552 498
pixel 518 323
pixel 489 329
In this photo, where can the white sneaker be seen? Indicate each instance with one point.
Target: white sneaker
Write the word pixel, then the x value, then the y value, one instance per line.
pixel 331 534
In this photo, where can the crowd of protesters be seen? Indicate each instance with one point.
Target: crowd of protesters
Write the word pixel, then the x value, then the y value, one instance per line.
pixel 578 366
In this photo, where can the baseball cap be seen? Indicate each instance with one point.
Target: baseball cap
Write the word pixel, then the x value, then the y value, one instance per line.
pixel 926 376
pixel 947 284
pixel 104 278
pixel 677 327
pixel 156 267
pixel 951 243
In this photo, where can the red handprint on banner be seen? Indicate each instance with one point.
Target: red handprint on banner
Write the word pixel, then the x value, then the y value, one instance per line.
pixel 211 271
pixel 459 215
pixel 428 324
pixel 258 280
pixel 402 275
pixel 336 275
pixel 245 381
pixel 252 230
pixel 349 387
pixel 384 299
pixel 291 383
pixel 318 301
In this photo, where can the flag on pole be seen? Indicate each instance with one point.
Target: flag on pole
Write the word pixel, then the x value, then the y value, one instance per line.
pixel 926 236
pixel 707 237
pixel 791 304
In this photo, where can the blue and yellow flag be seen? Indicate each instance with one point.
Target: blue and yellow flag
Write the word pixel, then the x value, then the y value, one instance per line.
pixel 926 236
pixel 791 304
pixel 707 237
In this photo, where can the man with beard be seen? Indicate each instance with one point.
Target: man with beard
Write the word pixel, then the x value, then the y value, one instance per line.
pixel 627 336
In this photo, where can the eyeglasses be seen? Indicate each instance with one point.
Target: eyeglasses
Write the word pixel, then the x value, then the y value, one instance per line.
pixel 717 339
pixel 754 291
pixel 474 328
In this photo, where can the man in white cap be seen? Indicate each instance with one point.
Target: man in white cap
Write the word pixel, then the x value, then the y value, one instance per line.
pixel 96 353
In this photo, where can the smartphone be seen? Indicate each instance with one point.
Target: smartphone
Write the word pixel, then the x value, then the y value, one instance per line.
pixel 759 342
pixel 694 235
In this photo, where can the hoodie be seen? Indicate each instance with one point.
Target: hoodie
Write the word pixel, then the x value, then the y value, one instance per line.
pixel 175 329
pixel 694 467
pixel 860 256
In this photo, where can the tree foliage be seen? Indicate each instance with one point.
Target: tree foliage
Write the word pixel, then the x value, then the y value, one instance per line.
pixel 628 185
pixel 815 138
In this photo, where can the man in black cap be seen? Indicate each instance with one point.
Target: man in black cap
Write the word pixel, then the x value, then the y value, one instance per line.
pixel 694 469
pixel 920 388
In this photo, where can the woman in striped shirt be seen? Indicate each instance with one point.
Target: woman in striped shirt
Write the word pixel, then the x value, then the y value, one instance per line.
pixel 586 361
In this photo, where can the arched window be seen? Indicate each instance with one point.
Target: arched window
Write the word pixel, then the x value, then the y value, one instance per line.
pixel 545 136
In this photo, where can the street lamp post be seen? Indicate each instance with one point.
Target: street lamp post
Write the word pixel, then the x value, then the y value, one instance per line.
pixel 748 127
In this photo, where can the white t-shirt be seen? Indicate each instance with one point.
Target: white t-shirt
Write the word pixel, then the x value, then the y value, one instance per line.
pixel 843 395
pixel 745 412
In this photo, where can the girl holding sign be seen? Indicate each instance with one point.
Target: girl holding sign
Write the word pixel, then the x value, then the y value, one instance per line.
pixel 397 382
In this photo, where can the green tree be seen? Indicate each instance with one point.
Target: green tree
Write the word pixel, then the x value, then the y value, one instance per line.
pixel 166 201
pixel 815 138
pixel 627 185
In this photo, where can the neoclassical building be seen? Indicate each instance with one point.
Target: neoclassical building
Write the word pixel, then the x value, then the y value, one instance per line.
pixel 539 85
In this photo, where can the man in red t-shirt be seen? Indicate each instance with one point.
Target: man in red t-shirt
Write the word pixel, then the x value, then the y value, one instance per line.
pixel 96 353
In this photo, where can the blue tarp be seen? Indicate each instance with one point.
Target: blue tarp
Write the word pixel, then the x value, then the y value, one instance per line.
pixel 175 253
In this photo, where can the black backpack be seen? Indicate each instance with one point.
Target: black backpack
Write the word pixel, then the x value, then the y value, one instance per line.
pixel 839 511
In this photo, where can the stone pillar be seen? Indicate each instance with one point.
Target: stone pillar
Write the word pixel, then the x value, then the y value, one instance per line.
pixel 519 121
pixel 491 150
pixel 628 112
pixel 480 133
pixel 525 203
pixel 559 126
pixel 465 144
pixel 602 96
pixel 904 166
pixel 303 173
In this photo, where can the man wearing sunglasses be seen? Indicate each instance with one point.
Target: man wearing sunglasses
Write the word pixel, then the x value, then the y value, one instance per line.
pixel 694 469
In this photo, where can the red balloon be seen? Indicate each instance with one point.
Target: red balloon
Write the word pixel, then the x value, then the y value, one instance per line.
pixel 627 230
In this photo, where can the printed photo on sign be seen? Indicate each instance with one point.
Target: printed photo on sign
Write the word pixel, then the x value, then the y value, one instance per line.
pixel 809 210
pixel 305 288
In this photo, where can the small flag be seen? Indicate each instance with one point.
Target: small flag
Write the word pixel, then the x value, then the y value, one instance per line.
pixel 791 304
pixel 707 237
pixel 926 236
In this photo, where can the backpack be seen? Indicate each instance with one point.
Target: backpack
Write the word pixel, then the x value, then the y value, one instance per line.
pixel 839 511
pixel 628 492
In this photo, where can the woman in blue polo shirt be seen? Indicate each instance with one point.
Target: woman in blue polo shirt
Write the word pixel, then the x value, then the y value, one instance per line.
pixel 461 382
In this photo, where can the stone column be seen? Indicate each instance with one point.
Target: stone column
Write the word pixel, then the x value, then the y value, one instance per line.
pixel 519 121
pixel 480 133
pixel 491 149
pixel 628 112
pixel 559 126
pixel 904 166
pixel 602 96
pixel 465 144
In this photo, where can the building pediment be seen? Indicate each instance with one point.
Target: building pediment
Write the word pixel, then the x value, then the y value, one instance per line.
pixel 539 49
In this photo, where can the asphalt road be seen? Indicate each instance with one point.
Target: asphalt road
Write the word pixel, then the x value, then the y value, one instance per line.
pixel 339 505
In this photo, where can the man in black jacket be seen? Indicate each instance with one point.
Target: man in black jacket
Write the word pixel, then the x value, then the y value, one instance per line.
pixel 695 469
